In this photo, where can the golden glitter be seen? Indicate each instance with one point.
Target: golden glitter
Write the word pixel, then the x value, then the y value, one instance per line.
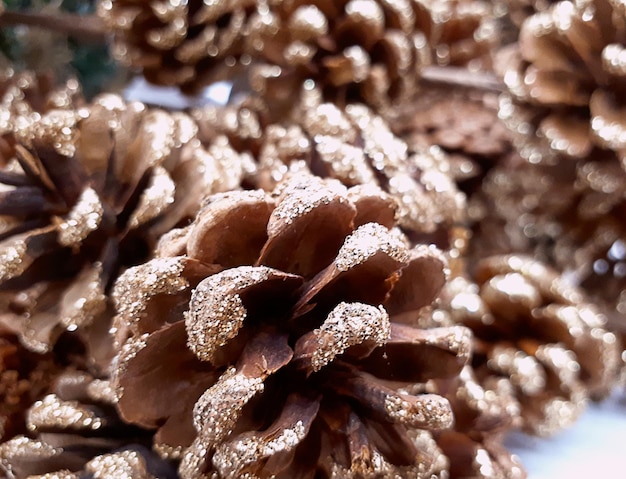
pixel 367 241
pixel 155 199
pixel 307 23
pixel 119 365
pixel 22 447
pixel 56 475
pixel 136 286
pixel 216 312
pixel 13 258
pixel 217 411
pixel 52 412
pixel 84 218
pixel 102 391
pixel 349 324
pixel 523 370
pixel 119 465
pixel 428 410
pixel 347 163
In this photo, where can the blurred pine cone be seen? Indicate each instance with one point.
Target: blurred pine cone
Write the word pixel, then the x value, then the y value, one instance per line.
pixel 567 75
pixel 188 44
pixel 27 93
pixel 24 376
pixel 365 50
pixel 273 335
pixel 351 144
pixel 534 330
pixel 483 415
pixel 75 428
pixel 88 193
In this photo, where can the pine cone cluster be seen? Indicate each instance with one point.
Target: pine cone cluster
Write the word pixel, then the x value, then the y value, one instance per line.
pixel 365 50
pixel 291 319
pixel 538 333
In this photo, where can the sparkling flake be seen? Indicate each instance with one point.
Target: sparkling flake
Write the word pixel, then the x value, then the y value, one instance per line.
pixel 52 412
pixel 120 465
pixel 84 218
pixel 155 199
pixel 431 410
pixel 365 242
pixel 12 259
pixel 349 324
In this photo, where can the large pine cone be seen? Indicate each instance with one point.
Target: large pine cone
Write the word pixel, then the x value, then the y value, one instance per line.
pixel 351 144
pixel 534 330
pixel 88 193
pixel 273 335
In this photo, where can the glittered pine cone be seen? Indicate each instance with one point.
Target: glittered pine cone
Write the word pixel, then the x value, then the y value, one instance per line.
pixel 188 44
pixel 88 193
pixel 364 50
pixel 351 144
pixel 69 428
pixel 567 78
pixel 483 415
pixel 24 376
pixel 27 93
pixel 289 330
pixel 536 331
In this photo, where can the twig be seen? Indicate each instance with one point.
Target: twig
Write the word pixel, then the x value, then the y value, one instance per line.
pixel 462 77
pixel 87 28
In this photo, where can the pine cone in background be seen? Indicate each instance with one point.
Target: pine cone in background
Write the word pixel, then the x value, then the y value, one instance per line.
pixel 483 415
pixel 289 323
pixel 27 94
pixel 24 376
pixel 72 426
pixel 365 50
pixel 89 192
pixel 188 44
pixel 567 78
pixel 536 331
pixel 351 144
pixel 512 14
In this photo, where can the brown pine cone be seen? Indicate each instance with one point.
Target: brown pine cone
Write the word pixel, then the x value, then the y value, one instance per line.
pixel 351 144
pixel 365 50
pixel 567 75
pixel 534 330
pixel 26 94
pixel 484 414
pixel 24 376
pixel 74 431
pixel 188 44
pixel 89 192
pixel 289 323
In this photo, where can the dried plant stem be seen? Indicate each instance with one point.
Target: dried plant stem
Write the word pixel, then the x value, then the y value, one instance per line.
pixel 461 77
pixel 82 27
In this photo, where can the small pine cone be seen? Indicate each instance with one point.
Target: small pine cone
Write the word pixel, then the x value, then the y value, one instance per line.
pixel 569 92
pixel 483 415
pixel 536 331
pixel 26 94
pixel 188 44
pixel 351 144
pixel 89 192
pixel 24 376
pixel 69 427
pixel 289 321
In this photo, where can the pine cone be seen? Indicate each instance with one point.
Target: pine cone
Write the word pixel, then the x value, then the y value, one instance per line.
pixel 89 193
pixel 351 144
pixel 534 330
pixel 69 428
pixel 24 376
pixel 364 50
pixel 188 44
pixel 27 94
pixel 289 324
pixel 484 414
pixel 570 91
